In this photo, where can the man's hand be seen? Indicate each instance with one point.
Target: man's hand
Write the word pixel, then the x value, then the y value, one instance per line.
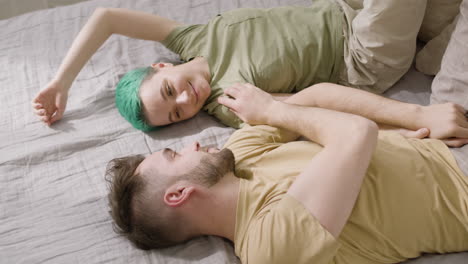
pixel 407 133
pixel 49 104
pixel 447 122
pixel 248 102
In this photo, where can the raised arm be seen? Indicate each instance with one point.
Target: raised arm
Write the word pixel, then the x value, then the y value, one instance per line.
pixel 330 184
pixel 50 102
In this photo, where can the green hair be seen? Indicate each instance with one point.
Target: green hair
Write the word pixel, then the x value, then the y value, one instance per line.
pixel 128 101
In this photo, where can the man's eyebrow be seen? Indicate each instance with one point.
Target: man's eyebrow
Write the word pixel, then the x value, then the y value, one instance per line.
pixel 161 90
pixel 166 153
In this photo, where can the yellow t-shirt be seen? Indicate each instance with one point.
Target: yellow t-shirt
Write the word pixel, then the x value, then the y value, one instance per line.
pixel 414 199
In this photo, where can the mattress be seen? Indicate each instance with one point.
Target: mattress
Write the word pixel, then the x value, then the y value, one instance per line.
pixel 53 204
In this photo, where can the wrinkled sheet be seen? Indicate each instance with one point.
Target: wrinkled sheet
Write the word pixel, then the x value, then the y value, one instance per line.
pixel 53 205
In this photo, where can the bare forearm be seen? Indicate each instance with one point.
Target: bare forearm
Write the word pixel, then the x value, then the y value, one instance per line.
pixel 101 25
pixel 345 99
pixel 95 32
pixel 340 167
pixel 334 170
pixel 320 125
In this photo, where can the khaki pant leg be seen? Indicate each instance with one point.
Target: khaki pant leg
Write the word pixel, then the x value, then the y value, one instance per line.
pixel 380 42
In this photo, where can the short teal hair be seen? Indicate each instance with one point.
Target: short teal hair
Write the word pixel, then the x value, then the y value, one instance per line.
pixel 128 101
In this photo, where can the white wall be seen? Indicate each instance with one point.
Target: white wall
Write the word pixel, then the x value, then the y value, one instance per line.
pixel 10 8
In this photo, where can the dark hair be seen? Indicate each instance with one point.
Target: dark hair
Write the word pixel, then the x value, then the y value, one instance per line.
pixel 146 226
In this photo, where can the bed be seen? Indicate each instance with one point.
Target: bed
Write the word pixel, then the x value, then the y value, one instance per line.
pixel 53 204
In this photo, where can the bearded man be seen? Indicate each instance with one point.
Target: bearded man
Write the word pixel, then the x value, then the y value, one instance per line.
pixel 349 195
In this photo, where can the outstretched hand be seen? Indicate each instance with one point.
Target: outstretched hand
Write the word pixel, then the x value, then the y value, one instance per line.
pixel 50 103
pixel 248 102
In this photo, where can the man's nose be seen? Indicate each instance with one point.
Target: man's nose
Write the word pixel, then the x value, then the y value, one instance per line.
pixel 183 98
pixel 195 146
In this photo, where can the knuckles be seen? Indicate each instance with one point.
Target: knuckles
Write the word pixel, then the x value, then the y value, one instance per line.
pixel 452 129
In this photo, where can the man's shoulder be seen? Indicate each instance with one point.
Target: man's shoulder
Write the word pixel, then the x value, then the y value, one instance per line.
pixel 285 230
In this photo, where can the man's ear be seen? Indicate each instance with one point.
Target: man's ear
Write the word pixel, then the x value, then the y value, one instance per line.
pixel 177 194
pixel 160 65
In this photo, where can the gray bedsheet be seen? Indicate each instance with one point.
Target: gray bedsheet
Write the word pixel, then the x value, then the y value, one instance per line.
pixel 53 206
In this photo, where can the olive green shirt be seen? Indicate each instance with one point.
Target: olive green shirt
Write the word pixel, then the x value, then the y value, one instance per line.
pixel 280 50
pixel 414 199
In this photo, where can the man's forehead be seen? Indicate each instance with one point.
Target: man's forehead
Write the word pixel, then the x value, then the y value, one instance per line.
pixel 149 162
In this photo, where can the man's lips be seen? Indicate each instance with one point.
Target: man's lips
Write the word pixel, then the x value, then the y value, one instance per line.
pixel 208 149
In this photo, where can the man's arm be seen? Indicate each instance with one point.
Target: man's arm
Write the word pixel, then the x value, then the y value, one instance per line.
pixel 50 102
pixel 443 120
pixel 330 184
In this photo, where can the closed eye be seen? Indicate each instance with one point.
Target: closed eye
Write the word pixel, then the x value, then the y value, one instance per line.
pixel 169 90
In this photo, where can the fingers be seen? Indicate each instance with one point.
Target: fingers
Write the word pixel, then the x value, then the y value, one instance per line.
pixel 455 142
pixel 59 113
pixel 460 109
pixel 461 132
pixel 239 89
pixel 37 105
pixel 233 91
pixel 57 116
pixel 36 99
pixel 45 119
pixel 462 121
pixel 40 112
pixel 228 102
pixel 420 133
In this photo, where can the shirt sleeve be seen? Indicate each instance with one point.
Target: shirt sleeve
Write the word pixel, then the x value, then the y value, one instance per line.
pixel 288 234
pixel 250 142
pixel 186 40
pixel 227 117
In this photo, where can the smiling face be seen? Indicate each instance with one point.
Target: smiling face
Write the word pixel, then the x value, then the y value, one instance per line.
pixel 175 93
pixel 194 163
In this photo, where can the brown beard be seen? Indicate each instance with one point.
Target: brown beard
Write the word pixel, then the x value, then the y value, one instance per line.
pixel 212 168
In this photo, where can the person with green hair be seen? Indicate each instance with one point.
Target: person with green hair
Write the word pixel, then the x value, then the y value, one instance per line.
pixel 283 50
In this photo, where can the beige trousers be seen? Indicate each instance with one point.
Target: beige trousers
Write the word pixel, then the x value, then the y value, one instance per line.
pixel 379 41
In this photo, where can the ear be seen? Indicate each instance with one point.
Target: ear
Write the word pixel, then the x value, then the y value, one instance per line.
pixel 178 194
pixel 160 65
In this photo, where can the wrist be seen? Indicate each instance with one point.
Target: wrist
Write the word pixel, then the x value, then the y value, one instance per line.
pixel 272 112
pixel 416 117
pixel 408 117
pixel 63 83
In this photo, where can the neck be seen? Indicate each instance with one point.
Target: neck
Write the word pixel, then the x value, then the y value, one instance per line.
pixel 201 64
pixel 217 215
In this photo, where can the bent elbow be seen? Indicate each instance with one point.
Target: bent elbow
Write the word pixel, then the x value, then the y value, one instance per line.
pixel 99 11
pixel 365 130
pixel 372 128
pixel 102 17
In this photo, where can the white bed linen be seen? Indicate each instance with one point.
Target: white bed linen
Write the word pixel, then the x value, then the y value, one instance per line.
pixel 53 205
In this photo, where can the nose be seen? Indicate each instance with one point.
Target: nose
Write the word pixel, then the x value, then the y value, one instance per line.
pixel 195 146
pixel 183 98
